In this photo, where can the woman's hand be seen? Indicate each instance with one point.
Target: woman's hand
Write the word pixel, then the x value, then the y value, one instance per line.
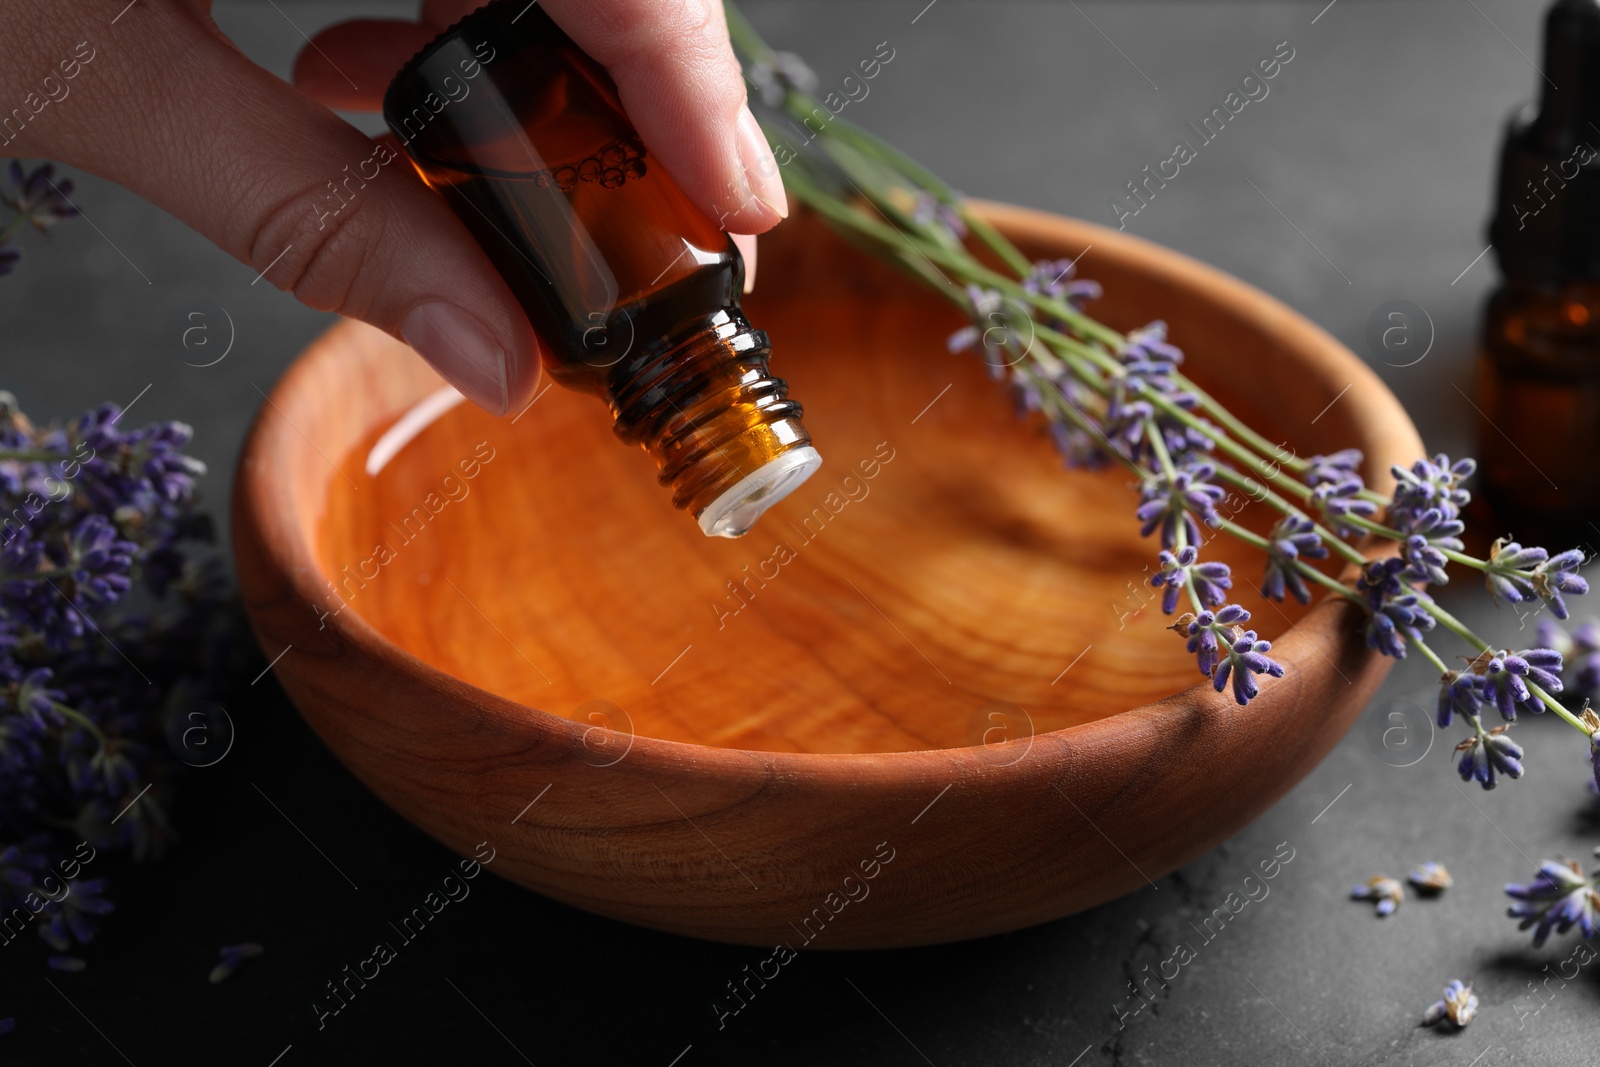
pixel 160 101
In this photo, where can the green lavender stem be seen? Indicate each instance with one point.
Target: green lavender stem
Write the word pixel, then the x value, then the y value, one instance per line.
pixel 78 717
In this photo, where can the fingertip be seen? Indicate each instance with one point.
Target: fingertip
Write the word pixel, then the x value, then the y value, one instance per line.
pixel 348 65
pixel 495 372
pixel 746 244
pixel 523 369
pixel 760 166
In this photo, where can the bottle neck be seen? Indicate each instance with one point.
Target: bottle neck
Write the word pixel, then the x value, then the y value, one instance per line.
pixel 704 404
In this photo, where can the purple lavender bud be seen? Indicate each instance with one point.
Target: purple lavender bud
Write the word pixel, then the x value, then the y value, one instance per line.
pixel 1054 278
pixel 1430 533
pixel 1429 484
pixel 1585 656
pixel 1460 1006
pixel 1485 754
pixel 1558 898
pixel 1558 575
pixel 1387 892
pixel 1211 580
pixel 1245 659
pixel 1173 505
pixel 1460 693
pixel 1337 500
pixel 36 197
pixel 1336 467
pixel 1509 674
pixel 1430 879
pixel 933 212
pixel 1149 344
pixel 1293 538
pixel 232 957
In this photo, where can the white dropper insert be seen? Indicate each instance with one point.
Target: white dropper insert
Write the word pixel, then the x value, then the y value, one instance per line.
pixel 735 511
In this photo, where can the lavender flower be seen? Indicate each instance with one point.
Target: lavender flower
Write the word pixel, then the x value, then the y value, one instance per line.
pixel 1506 677
pixel 100 560
pixel 931 211
pixel 1580 651
pixel 1430 878
pixel 93 509
pixel 1148 347
pixel 1483 755
pixel 774 79
pixel 1430 533
pixel 1460 1006
pixel 1429 484
pixel 1078 446
pixel 1519 574
pixel 1173 504
pixel 1211 580
pixel 1203 630
pixel 1150 362
pixel 1558 898
pixel 233 956
pixel 37 198
pixel 1509 571
pixel 1383 889
pixel 1341 500
pixel 1226 651
pixel 992 331
pixel 1294 538
pixel 1395 614
pixel 1558 575
pixel 1054 278
pixel 74 917
pixel 32 696
pixel 1132 420
pixel 1245 658
pixel 1335 467
pixel 1460 693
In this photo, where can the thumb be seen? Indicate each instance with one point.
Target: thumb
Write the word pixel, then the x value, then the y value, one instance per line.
pixel 683 88
pixel 283 184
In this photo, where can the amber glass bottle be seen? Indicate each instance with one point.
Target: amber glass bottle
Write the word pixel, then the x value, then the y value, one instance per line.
pixel 633 291
pixel 1539 369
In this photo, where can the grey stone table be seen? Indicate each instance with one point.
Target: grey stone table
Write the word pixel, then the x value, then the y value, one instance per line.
pixel 1361 178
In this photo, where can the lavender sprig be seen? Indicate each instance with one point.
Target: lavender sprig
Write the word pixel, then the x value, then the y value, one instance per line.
pixel 35 198
pixel 115 621
pixel 1108 397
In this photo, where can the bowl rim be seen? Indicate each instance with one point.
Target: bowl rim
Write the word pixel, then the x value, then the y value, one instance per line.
pixel 278 541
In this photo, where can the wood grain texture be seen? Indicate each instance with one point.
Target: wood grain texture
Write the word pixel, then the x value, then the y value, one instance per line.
pixel 463 642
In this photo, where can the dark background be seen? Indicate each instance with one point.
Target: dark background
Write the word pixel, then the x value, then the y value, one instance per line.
pixel 1378 141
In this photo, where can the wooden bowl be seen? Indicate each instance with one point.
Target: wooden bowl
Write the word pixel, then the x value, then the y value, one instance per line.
pixel 921 701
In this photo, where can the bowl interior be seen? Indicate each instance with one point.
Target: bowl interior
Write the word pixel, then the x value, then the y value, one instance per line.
pixel 941 569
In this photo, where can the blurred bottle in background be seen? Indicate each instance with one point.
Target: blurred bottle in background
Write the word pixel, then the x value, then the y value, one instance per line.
pixel 1538 378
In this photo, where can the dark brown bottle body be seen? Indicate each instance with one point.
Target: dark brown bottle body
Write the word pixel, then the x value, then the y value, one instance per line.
pixel 1539 401
pixel 633 291
pixel 1538 382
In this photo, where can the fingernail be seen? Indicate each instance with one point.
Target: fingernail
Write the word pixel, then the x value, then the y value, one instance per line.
pixel 461 349
pixel 760 166
pixel 746 243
